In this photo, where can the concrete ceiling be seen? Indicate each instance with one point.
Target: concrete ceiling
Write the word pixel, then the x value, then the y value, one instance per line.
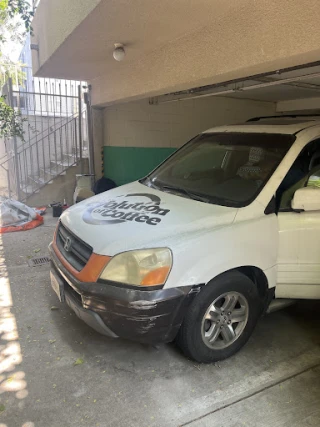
pixel 143 26
pixel 174 45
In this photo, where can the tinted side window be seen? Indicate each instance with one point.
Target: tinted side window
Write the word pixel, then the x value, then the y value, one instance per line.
pixel 305 171
pixel 314 179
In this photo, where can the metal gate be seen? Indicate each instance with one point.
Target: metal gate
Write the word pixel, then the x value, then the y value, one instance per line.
pixel 54 118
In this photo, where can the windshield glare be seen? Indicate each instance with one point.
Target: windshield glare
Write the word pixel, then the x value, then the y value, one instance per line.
pixel 228 169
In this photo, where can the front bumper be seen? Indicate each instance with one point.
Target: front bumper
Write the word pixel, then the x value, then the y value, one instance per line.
pixel 148 316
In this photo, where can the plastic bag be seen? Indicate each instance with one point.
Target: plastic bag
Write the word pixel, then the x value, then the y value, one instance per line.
pixel 16 216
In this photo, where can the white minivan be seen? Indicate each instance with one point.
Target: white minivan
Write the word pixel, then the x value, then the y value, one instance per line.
pixel 196 251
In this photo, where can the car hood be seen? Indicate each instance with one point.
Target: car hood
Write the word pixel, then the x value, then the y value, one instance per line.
pixel 135 216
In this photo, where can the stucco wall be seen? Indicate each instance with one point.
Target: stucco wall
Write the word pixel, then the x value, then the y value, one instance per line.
pixel 54 21
pixel 138 136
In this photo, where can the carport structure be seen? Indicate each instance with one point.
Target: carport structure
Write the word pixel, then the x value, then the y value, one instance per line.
pixel 227 62
pixel 189 65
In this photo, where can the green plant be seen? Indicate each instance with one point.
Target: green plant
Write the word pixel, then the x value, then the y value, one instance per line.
pixel 22 9
pixel 14 14
pixel 10 120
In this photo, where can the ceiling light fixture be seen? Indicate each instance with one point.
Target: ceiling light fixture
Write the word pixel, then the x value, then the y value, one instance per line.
pixel 119 52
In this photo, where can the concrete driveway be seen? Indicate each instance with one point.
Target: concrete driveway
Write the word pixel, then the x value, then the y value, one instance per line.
pixel 273 381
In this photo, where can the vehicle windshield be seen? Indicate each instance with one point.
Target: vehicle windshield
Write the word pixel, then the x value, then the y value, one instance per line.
pixel 228 169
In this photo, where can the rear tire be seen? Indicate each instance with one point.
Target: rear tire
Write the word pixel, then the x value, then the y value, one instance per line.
pixel 221 318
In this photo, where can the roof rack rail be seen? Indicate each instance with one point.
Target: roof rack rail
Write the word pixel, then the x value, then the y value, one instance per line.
pixel 292 116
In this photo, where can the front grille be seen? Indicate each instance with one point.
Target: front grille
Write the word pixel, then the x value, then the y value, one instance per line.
pixel 74 250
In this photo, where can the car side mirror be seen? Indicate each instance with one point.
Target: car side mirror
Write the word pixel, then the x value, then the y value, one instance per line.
pixel 306 199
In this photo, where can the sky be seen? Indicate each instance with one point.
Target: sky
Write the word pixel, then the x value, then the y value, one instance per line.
pixel 11 49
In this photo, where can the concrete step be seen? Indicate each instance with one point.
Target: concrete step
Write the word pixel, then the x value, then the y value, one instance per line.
pixel 50 173
pixel 61 164
pixel 63 185
pixel 85 151
pixel 58 174
pixel 39 180
pixel 69 158
pixel 28 189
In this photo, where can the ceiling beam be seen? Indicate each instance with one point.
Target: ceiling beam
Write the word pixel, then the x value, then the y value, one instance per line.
pixel 298 105
pixel 245 85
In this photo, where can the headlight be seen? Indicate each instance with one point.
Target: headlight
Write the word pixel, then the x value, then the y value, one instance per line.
pixel 146 267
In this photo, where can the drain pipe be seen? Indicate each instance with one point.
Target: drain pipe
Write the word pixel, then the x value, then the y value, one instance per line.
pixel 87 100
pixel 15 148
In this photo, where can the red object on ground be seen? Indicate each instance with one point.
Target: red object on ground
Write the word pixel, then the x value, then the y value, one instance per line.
pixel 41 210
pixel 28 226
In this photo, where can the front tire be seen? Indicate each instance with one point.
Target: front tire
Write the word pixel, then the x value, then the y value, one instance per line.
pixel 221 318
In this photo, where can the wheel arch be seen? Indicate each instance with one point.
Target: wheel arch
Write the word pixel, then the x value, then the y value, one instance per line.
pixel 255 274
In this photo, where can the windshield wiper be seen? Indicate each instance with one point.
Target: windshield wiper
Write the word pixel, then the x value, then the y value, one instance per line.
pixel 187 193
pixel 195 196
pixel 149 183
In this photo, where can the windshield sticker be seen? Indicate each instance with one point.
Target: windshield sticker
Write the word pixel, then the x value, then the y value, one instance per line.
pixel 123 209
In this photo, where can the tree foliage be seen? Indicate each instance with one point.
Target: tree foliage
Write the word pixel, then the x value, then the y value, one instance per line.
pixel 15 22
pixel 22 9
pixel 10 120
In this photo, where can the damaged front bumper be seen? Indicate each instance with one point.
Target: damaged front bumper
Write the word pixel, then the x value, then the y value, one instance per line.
pixel 148 316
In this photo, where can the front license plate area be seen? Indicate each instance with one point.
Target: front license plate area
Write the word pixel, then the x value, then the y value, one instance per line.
pixel 57 285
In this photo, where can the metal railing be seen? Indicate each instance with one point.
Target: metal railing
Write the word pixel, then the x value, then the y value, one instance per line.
pixel 54 119
pixel 7 177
